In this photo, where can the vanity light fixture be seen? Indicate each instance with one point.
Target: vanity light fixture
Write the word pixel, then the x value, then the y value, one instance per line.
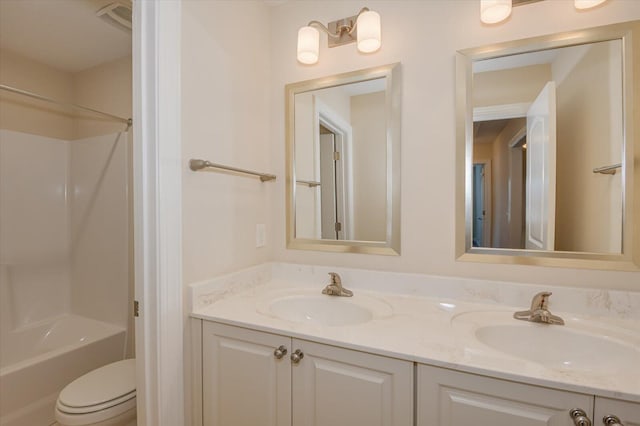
pixel 494 11
pixel 363 28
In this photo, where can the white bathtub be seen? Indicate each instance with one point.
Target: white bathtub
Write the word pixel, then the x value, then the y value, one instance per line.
pixel 36 362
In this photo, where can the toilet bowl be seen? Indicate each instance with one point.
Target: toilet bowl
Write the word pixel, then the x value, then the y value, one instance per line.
pixel 103 397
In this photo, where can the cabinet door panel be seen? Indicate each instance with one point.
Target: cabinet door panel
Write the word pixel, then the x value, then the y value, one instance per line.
pixel 450 398
pixel 627 412
pixel 243 383
pixel 340 387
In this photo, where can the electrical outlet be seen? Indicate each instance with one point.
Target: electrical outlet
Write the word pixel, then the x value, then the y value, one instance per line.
pixel 261 235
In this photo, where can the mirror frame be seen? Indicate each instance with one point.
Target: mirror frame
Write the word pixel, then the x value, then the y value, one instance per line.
pixel 629 259
pixel 391 245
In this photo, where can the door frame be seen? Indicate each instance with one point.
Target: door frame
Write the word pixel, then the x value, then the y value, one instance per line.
pixel 157 170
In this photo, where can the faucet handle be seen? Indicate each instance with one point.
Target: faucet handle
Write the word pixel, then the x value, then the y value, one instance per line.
pixel 335 278
pixel 540 300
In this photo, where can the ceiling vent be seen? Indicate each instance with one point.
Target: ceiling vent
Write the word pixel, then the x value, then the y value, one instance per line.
pixel 116 14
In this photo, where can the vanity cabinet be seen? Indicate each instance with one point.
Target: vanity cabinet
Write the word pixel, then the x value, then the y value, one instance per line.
pixel 451 398
pixel 254 378
pixel 607 410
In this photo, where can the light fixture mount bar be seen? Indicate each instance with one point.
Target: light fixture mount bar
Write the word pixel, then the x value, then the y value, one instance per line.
pixel 523 2
pixel 344 30
pixel 341 31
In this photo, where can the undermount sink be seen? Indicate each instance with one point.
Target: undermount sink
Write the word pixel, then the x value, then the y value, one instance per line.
pixel 582 346
pixel 319 309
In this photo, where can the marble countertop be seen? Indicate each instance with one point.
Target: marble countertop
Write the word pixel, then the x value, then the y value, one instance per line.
pixel 432 330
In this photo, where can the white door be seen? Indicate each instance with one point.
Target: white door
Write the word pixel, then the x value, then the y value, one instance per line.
pixel 332 192
pixel 244 383
pixel 449 398
pixel 328 186
pixel 628 413
pixel 339 387
pixel 541 170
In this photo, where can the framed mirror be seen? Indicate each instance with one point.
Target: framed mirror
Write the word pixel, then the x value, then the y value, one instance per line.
pixel 547 150
pixel 343 162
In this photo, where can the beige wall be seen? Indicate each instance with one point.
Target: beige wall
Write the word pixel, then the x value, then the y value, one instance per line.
pixel 31 116
pixel 369 166
pixel 424 37
pixel 106 87
pixel 225 119
pixel 589 126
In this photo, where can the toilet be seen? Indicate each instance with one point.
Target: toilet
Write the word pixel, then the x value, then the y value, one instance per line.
pixel 103 397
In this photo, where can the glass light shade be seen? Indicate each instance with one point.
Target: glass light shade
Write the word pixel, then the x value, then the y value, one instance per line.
pixel 494 11
pixel 587 4
pixel 369 38
pixel 308 45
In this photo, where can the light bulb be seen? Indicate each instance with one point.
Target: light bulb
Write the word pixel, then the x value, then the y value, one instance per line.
pixel 587 4
pixel 494 11
pixel 308 45
pixel 368 28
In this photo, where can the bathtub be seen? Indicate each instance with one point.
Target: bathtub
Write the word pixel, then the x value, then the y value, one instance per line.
pixel 37 361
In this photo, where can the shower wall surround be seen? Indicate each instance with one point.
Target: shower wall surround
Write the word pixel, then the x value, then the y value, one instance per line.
pixel 65 195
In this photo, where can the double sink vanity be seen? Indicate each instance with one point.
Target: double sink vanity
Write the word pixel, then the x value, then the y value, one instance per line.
pixel 271 348
pixel 283 344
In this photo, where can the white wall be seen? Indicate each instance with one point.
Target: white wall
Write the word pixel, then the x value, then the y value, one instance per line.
pixel 369 166
pixel 424 37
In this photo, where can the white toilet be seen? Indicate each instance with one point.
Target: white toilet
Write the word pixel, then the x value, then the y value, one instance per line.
pixel 103 397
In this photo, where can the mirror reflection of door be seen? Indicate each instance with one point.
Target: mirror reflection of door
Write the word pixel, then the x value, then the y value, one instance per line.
pixel 482 204
pixel 541 171
pixel 331 185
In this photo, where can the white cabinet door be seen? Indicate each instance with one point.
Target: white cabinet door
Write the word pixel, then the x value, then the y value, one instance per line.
pixel 627 412
pixel 339 387
pixel 449 398
pixel 244 384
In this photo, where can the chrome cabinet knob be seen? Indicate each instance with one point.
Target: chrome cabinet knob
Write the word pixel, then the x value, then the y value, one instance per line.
pixel 280 352
pixel 579 417
pixel 611 420
pixel 297 356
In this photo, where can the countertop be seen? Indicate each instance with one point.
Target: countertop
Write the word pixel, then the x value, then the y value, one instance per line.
pixel 435 331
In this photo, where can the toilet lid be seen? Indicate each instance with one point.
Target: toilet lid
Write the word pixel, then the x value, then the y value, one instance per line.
pixel 105 386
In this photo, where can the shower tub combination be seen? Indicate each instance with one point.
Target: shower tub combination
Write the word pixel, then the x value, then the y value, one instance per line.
pixel 37 361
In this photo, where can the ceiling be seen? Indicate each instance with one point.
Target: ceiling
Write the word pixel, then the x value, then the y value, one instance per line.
pixel 488 131
pixel 64 34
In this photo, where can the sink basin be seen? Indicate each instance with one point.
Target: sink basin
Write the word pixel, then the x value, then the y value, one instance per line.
pixel 319 309
pixel 577 346
pixel 558 347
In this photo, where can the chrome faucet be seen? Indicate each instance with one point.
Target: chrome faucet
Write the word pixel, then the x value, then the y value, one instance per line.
pixel 539 311
pixel 335 287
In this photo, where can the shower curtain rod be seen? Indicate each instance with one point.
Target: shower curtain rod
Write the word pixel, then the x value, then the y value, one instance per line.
pixel 128 121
